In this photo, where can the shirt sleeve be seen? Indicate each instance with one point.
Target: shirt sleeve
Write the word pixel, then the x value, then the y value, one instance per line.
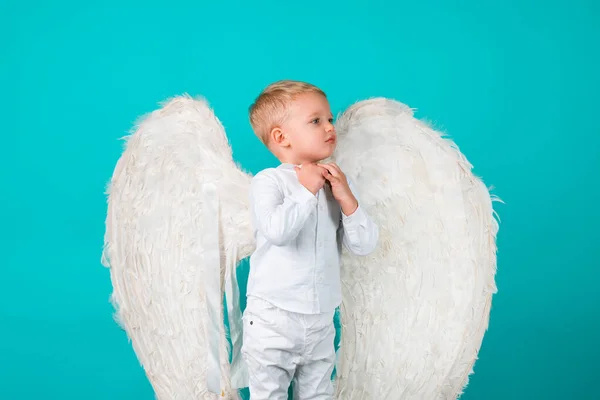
pixel 359 233
pixel 279 218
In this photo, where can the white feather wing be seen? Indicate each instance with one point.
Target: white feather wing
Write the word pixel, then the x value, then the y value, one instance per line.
pixel 154 242
pixel 415 311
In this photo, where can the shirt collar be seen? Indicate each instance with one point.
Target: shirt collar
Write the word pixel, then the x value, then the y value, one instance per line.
pixel 287 166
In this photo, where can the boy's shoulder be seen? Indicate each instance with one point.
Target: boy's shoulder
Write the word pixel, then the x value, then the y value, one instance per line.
pixel 269 176
pixel 283 170
pixel 274 178
pixel 265 173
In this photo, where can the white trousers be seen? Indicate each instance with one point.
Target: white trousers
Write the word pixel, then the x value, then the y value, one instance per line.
pixel 280 346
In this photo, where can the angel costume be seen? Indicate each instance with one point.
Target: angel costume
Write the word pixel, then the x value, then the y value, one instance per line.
pixel 413 312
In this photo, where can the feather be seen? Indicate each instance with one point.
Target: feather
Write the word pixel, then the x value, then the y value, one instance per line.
pixel 415 311
pixel 154 243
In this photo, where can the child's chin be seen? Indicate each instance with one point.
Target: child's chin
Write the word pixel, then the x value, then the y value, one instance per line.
pixel 328 153
pixel 323 155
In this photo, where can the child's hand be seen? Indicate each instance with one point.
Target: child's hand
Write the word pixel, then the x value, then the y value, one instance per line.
pixel 340 188
pixel 311 177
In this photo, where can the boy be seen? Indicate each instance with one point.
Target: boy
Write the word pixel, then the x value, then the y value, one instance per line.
pixel 303 212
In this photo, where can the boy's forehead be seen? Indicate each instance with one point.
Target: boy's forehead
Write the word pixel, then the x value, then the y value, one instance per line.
pixel 310 103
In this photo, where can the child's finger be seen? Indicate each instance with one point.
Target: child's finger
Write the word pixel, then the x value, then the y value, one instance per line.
pixel 332 179
pixel 337 168
pixel 323 168
pixel 329 168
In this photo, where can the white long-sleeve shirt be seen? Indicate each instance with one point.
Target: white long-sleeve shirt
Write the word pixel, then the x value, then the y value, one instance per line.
pixel 299 238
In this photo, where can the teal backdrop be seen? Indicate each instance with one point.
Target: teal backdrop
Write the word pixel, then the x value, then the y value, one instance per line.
pixel 515 83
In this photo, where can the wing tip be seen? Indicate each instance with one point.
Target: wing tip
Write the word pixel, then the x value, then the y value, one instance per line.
pixel 374 104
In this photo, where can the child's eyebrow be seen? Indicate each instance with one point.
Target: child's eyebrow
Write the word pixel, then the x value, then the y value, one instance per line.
pixel 318 113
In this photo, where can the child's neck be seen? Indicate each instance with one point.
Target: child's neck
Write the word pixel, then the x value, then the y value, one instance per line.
pixel 296 161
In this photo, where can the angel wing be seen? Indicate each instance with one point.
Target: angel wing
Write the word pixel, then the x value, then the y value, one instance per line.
pixel 177 224
pixel 414 312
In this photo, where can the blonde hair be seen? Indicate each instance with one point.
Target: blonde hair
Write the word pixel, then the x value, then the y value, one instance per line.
pixel 270 108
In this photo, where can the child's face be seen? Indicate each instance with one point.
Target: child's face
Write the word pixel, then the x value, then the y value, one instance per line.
pixel 309 129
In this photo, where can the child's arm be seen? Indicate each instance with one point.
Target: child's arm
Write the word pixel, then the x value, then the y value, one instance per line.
pixel 359 233
pixel 279 218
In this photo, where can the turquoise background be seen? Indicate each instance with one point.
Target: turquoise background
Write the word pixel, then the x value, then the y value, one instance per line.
pixel 516 84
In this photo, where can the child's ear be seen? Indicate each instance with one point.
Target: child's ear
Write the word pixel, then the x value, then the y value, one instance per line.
pixel 279 137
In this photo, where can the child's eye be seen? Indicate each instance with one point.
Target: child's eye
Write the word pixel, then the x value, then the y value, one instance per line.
pixel 331 120
pixel 315 121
